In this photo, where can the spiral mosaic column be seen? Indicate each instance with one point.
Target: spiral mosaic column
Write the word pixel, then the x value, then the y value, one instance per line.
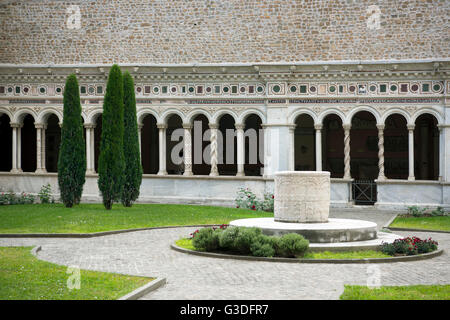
pixel 187 149
pixel 214 170
pixel 381 175
pixel 347 128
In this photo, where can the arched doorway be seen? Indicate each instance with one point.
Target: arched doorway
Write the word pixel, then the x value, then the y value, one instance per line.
pixel 52 143
pixel 304 143
pixel 333 146
pixel 227 146
pixel 149 145
pixel 426 148
pixel 5 143
pixel 199 145
pixel 396 147
pixel 253 144
pixel 174 145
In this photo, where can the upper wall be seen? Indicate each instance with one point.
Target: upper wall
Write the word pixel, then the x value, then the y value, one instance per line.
pixel 218 31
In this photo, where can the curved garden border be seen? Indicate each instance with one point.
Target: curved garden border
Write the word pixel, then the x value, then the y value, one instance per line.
pixel 422 256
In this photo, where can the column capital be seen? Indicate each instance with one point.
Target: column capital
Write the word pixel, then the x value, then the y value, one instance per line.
pixel 292 127
pixel 89 125
pixel 140 126
pixel 347 126
pixel 40 125
pixel 187 126
pixel 161 126
pixel 16 125
pixel 213 125
pixel 411 126
pixel 239 126
pixel 380 126
pixel 318 126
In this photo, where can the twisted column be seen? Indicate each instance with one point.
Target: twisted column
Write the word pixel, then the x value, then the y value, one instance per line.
pixel 318 128
pixel 411 152
pixel 347 128
pixel 187 149
pixel 381 175
pixel 213 153
pixel 240 149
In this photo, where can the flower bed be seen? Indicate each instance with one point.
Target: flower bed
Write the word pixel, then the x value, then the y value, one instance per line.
pixel 409 246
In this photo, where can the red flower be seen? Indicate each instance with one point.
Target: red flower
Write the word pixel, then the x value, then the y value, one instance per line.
pixel 253 207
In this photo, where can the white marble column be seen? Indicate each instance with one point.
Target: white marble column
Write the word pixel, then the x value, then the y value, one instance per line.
pixel 15 127
pixel 19 148
pixel 39 127
pixel 187 152
pixel 292 147
pixel 240 149
pixel 381 175
pixel 214 171
pixel 162 148
pixel 43 157
pixel 441 154
pixel 92 145
pixel 411 152
pixel 347 128
pixel 318 128
pixel 89 148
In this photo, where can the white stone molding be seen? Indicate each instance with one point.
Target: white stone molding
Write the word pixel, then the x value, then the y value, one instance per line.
pixel 381 175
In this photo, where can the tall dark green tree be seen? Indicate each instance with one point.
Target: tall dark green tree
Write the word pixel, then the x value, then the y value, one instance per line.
pixel 133 167
pixel 72 154
pixel 111 159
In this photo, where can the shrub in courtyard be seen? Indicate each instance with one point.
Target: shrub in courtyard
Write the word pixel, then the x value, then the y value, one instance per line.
pixel 207 239
pixel 228 238
pixel 415 211
pixel 111 159
pixel 12 198
pixel 244 240
pixel 45 194
pixel 72 157
pixel 133 167
pixel 291 245
pixel 438 212
pixel 246 199
pixel 263 246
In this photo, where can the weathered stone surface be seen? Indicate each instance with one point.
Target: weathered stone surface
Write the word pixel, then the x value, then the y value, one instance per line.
pixel 302 196
pixel 215 31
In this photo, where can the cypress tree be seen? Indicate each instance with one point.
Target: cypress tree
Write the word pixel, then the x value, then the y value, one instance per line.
pixel 133 166
pixel 111 158
pixel 72 157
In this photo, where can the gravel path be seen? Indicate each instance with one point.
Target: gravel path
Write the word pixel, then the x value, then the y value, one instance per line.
pixel 193 277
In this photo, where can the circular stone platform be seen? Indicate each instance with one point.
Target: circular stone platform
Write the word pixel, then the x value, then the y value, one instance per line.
pixel 333 231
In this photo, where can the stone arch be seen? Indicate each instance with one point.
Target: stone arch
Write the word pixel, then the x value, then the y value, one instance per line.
pixel 46 113
pixel 22 113
pixel 6 111
pixel 194 113
pixel 168 113
pixel 391 112
pixel 430 111
pixel 142 113
pixel 253 143
pixel 6 141
pixel 369 109
pixel 219 114
pixel 93 115
pixel 331 111
pixel 243 117
pixel 295 114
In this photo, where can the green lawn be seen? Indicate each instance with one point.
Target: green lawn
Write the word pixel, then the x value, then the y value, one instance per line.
pixel 418 292
pixel 24 277
pixel 187 244
pixel 88 218
pixel 426 223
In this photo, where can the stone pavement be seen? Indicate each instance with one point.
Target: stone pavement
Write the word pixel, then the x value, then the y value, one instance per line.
pixel 193 277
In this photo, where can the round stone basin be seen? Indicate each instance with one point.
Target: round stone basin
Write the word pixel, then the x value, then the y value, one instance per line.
pixel 335 230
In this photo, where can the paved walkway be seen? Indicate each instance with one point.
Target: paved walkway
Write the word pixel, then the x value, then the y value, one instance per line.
pixel 192 277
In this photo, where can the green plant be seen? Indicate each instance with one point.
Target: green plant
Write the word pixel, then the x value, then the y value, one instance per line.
pixel 263 246
pixel 72 155
pixel 45 193
pixel 133 167
pixel 415 211
pixel 228 238
pixel 207 239
pixel 11 198
pixel 248 200
pixel 291 245
pixel 244 239
pixel 111 159
pixel 438 212
pixel 409 246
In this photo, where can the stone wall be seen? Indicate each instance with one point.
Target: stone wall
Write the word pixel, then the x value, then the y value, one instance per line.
pixel 217 31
